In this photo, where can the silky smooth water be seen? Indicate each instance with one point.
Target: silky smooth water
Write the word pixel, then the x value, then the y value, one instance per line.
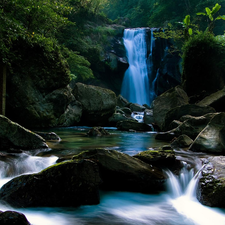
pixel 177 206
pixel 135 85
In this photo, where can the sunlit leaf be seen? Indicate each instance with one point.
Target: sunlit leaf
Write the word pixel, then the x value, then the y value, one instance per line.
pixel 208 11
pixel 216 8
pixel 201 14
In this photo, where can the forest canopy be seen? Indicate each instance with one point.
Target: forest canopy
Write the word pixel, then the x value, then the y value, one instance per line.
pixel 78 29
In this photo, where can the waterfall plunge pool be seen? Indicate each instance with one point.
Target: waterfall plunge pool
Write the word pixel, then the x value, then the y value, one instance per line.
pixel 177 206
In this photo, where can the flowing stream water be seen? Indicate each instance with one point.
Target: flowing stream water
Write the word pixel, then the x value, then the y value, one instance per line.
pixel 177 206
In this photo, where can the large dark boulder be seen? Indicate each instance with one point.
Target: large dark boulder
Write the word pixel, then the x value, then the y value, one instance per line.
pixel 67 184
pixel 164 103
pixel 189 125
pixel 211 188
pixel 98 104
pixel 55 108
pixel 12 135
pixel 189 109
pixel 13 218
pixel 122 172
pixel 212 137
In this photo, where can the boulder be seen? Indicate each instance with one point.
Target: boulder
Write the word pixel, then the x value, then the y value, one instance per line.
pixel 188 109
pixel 48 136
pixel 67 184
pixel 215 100
pixel 211 188
pixel 183 141
pixel 43 108
pixel 118 117
pixel 157 157
pixel 137 108
pixel 121 172
pixel 98 104
pixel 13 218
pixel 12 135
pixel 130 124
pixel 191 126
pixel 148 116
pixel 126 110
pixel 97 132
pixel 122 102
pixel 212 137
pixel 164 103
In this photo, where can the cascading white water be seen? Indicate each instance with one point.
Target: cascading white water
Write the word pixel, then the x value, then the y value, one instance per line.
pixel 182 192
pixel 135 86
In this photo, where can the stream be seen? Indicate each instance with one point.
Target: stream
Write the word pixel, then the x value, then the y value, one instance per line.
pixel 176 206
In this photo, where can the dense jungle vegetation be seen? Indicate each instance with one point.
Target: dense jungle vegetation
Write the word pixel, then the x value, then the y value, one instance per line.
pixel 74 32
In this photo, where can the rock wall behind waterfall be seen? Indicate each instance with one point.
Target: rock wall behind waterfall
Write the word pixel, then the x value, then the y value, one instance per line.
pixel 166 71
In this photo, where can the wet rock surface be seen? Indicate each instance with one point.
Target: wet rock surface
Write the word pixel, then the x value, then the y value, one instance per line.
pixel 67 184
pixel 211 188
pixel 12 135
pixel 122 172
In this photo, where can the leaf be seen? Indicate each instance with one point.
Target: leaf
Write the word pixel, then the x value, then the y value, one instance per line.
pixel 208 11
pixel 190 31
pixel 187 20
pixel 216 8
pixel 201 14
pixel 220 17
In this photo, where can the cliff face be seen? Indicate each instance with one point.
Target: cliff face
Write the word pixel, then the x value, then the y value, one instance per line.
pixel 165 71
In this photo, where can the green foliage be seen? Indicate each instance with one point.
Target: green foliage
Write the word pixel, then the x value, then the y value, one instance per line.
pixel 79 67
pixel 203 62
pixel 51 24
pixel 29 19
pixel 212 16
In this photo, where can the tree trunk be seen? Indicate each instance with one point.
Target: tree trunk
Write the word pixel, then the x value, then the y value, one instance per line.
pixel 2 88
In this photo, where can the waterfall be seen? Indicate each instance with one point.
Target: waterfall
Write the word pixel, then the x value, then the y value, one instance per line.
pixel 136 86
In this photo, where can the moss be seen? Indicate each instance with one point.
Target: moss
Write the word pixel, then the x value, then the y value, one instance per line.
pixel 55 165
pixel 203 64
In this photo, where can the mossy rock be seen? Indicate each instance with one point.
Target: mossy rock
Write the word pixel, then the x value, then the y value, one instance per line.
pixel 121 172
pixel 67 184
pixel 157 157
pixel 12 135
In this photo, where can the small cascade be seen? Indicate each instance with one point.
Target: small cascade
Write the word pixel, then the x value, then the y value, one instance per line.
pixel 135 86
pixel 184 184
pixel 23 163
pixel 182 195
pixel 139 116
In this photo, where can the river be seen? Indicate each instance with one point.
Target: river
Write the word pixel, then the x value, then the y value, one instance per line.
pixel 176 206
